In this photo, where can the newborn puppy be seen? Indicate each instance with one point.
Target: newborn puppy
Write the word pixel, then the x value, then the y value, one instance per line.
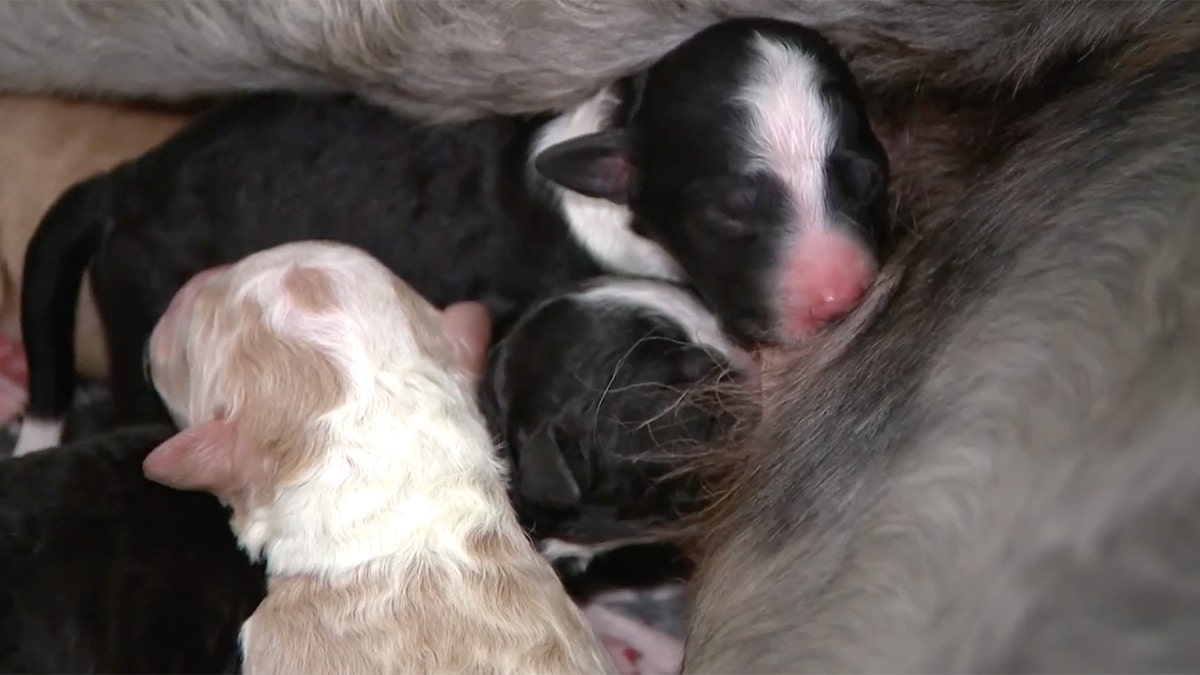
pixel 103 571
pixel 779 218
pixel 333 408
pixel 589 395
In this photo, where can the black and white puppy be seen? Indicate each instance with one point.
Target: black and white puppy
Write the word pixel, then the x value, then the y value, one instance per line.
pixel 588 395
pixel 102 570
pixel 747 153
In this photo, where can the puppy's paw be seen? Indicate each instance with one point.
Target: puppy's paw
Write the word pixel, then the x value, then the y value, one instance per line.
pixel 13 398
pixel 569 560
pixel 13 364
pixel 634 647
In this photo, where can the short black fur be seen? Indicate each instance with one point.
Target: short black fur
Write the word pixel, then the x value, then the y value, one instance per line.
pixel 104 571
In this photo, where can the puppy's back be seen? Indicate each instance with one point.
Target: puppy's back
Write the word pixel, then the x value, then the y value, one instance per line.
pixel 102 570
pixel 507 614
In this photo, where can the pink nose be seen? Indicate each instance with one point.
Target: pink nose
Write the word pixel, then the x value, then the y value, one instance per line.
pixel 835 294
pixel 825 277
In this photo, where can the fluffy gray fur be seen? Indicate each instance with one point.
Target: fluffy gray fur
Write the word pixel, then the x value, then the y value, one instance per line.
pixel 996 465
pixel 460 58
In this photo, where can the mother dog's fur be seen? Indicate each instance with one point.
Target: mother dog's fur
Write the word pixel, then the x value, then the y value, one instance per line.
pixel 454 59
pixel 1005 475
pixel 994 467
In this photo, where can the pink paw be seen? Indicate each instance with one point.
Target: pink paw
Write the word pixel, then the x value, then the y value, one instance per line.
pixel 14 380
pixel 13 365
pixel 634 647
pixel 624 657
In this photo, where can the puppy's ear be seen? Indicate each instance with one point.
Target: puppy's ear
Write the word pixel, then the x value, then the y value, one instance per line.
pixel 597 165
pixel 543 477
pixel 860 177
pixel 695 364
pixel 468 326
pixel 199 458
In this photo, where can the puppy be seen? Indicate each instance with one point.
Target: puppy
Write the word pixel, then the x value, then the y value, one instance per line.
pixel 46 145
pixel 103 571
pixel 589 395
pixel 333 408
pixel 779 213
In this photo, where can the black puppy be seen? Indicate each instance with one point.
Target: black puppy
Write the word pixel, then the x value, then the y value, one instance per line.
pixel 102 570
pixel 587 395
pixel 780 218
pixel 455 210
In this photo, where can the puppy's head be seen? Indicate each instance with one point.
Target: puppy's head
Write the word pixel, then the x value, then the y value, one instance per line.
pixel 277 368
pixel 590 392
pixel 748 156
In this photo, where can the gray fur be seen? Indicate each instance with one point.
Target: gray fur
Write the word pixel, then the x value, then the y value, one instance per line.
pixel 998 468
pixel 461 58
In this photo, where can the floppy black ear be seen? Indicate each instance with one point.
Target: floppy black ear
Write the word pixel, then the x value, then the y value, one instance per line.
pixel 597 165
pixel 695 364
pixel 543 477
pixel 863 178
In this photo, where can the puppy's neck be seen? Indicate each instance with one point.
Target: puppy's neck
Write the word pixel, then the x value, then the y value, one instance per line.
pixel 408 488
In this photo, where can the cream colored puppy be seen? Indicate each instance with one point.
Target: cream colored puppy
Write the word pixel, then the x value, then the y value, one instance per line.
pixel 333 409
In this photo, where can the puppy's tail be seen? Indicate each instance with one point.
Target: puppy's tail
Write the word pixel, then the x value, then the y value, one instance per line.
pixel 55 261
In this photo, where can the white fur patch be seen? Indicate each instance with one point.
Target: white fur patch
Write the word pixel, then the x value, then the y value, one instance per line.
pixel 791 130
pixel 579 555
pixel 602 227
pixel 557 549
pixel 673 302
pixel 409 471
pixel 38 435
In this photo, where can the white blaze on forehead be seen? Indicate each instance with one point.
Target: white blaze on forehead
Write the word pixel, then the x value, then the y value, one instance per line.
pixel 791 128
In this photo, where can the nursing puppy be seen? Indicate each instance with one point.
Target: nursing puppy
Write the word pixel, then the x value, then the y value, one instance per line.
pixel 333 408
pixel 780 225
pixel 46 145
pixel 589 396
pixel 768 233
pixel 103 571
